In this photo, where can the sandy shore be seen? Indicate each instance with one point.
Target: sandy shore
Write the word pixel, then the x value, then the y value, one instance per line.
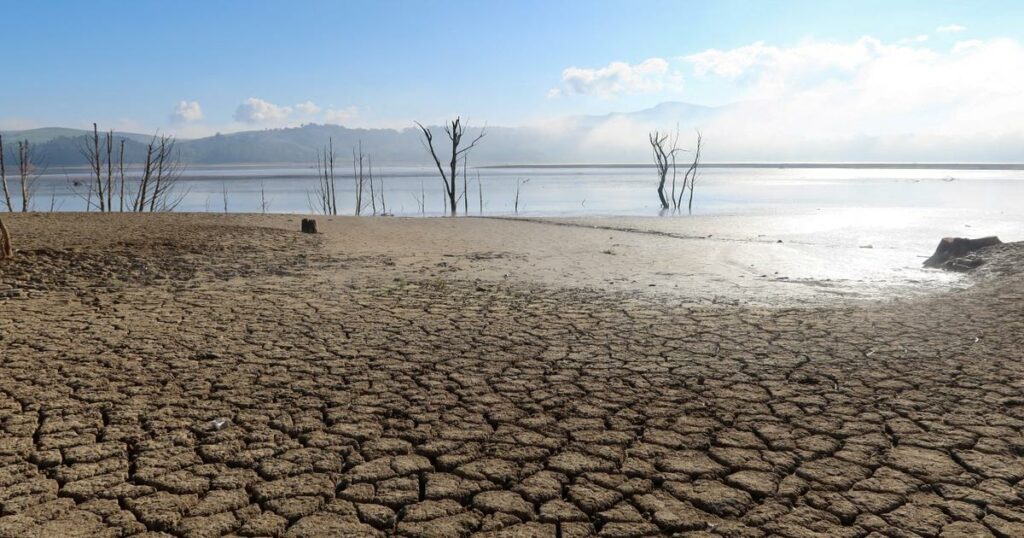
pixel 208 375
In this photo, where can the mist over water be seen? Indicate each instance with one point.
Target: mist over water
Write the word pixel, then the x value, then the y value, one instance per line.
pixel 579 191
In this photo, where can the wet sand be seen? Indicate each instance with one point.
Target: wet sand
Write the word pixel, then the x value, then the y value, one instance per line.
pixel 208 375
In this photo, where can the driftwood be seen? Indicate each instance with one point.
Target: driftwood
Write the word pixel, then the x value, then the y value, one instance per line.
pixel 309 226
pixel 6 249
pixel 951 248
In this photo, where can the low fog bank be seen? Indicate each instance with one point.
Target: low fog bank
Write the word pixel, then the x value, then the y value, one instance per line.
pixel 744 132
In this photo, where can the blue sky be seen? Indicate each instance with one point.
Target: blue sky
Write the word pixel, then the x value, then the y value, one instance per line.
pixel 195 67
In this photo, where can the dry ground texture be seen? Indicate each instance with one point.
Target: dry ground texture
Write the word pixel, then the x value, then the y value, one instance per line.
pixel 208 376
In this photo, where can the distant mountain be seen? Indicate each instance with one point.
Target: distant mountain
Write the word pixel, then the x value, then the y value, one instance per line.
pixel 572 139
pixel 664 113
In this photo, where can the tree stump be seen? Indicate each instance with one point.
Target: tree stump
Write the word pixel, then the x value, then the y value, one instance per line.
pixel 309 226
pixel 951 248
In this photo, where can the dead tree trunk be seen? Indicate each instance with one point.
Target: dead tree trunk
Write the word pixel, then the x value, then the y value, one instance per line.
pixel 357 176
pixel 161 157
pixel 147 171
pixel 691 173
pixel 97 165
pixel 110 171
pixel 25 173
pixel 120 167
pixel 333 196
pixel 465 186
pixel 90 150
pixel 664 155
pixel 373 194
pixel 6 248
pixel 3 177
pixel 321 194
pixel 160 175
pixel 455 131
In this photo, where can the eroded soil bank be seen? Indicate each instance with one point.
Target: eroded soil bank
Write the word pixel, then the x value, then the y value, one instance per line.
pixel 206 375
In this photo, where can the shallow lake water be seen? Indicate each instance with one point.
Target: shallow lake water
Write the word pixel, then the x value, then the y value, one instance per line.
pixel 411 191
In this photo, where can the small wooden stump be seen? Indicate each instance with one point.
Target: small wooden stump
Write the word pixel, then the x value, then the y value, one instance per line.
pixel 309 226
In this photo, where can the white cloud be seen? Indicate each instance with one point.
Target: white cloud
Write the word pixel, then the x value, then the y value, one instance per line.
pixel 962 46
pixel 187 112
pixel 651 75
pixel 777 69
pixel 255 110
pixel 916 39
pixel 950 28
pixel 898 101
pixel 844 100
pixel 341 115
pixel 308 108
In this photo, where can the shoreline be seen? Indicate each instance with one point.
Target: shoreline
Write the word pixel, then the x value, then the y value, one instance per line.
pixel 785 166
pixel 696 260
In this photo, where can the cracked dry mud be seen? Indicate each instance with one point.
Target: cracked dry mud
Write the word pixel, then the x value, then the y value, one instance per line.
pixel 446 408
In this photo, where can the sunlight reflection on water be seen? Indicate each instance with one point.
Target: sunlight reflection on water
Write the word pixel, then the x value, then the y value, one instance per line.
pixel 587 191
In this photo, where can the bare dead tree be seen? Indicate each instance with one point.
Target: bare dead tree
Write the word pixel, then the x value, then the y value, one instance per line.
pixel 355 180
pixel 105 184
pixel 358 175
pixel 675 201
pixel 160 175
pixel 419 199
pixel 516 206
pixel 90 149
pixel 6 247
pixel 480 191
pixel 169 171
pixel 323 189
pixel 27 174
pixel 158 178
pixel 97 165
pixel 324 197
pixel 264 203
pixel 320 200
pixel 519 183
pixel 110 171
pixel 690 178
pixel 120 168
pixel 455 132
pixel 330 167
pixel 224 194
pixel 3 177
pixel 695 166
pixel 139 204
pixel 383 204
pixel 373 197
pixel 53 199
pixel 465 186
pixel 664 147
